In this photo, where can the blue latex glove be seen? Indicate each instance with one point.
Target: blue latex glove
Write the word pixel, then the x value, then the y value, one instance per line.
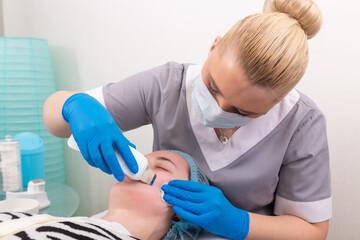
pixel 207 207
pixel 96 134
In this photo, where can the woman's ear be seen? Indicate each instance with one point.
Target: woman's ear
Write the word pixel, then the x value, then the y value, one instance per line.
pixel 216 41
pixel 176 218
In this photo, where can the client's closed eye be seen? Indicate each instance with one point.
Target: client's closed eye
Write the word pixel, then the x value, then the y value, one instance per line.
pixel 164 164
pixel 162 168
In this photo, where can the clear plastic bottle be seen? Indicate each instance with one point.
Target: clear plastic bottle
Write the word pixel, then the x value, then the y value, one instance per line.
pixel 10 165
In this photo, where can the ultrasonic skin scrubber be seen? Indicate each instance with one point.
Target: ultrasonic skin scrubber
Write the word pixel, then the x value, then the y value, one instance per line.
pixel 145 174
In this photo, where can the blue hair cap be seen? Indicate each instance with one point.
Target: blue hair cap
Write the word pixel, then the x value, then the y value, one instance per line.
pixel 184 230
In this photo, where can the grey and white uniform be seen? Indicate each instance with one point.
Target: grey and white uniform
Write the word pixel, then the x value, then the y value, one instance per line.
pixel 277 164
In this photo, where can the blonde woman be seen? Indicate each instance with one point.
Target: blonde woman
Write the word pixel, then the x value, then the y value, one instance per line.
pixel 261 143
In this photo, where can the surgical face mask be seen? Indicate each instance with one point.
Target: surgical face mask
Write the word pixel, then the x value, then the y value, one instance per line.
pixel 209 113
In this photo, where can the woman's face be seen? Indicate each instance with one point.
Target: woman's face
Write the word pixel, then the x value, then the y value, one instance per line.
pixel 231 88
pixel 137 195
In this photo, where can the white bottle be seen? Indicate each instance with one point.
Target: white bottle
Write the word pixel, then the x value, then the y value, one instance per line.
pixel 144 174
pixel 10 165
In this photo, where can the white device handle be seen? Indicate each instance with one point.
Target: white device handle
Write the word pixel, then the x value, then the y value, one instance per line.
pixel 140 159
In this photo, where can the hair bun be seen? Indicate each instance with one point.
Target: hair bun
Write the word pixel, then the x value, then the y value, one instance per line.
pixel 306 12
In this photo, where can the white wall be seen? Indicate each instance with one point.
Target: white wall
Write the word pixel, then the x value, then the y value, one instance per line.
pixel 94 42
pixel 1 20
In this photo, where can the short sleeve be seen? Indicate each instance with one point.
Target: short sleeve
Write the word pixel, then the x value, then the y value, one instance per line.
pixel 304 188
pixel 134 101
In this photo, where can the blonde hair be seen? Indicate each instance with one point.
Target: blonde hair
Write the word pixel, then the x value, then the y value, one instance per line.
pixel 272 46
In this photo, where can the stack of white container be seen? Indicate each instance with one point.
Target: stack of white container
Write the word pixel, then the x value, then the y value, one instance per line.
pixel 10 165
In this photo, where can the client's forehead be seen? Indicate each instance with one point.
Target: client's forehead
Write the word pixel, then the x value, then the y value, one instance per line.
pixel 174 157
pixel 180 162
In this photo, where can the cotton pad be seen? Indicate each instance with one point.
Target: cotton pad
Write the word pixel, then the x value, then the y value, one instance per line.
pixel 162 196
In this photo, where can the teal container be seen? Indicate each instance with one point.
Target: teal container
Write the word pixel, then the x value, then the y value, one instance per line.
pixel 26 80
pixel 32 157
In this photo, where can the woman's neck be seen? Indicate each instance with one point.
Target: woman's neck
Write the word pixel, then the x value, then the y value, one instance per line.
pixel 138 224
pixel 225 132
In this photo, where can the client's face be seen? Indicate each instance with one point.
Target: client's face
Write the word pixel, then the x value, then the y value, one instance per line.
pixel 142 197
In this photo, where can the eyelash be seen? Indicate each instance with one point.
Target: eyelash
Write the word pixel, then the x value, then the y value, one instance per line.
pixel 245 115
pixel 163 169
pixel 212 89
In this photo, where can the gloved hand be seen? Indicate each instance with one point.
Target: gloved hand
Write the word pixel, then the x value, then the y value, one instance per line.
pixel 96 134
pixel 207 207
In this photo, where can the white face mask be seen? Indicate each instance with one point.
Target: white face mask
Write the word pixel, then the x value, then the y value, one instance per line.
pixel 209 113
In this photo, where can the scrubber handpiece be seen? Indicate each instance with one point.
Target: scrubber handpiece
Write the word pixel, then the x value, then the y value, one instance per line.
pixel 145 174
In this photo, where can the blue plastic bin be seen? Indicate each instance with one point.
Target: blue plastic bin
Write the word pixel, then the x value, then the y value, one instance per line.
pixel 32 157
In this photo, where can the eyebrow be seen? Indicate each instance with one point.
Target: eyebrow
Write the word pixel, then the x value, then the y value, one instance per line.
pixel 166 159
pixel 214 84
